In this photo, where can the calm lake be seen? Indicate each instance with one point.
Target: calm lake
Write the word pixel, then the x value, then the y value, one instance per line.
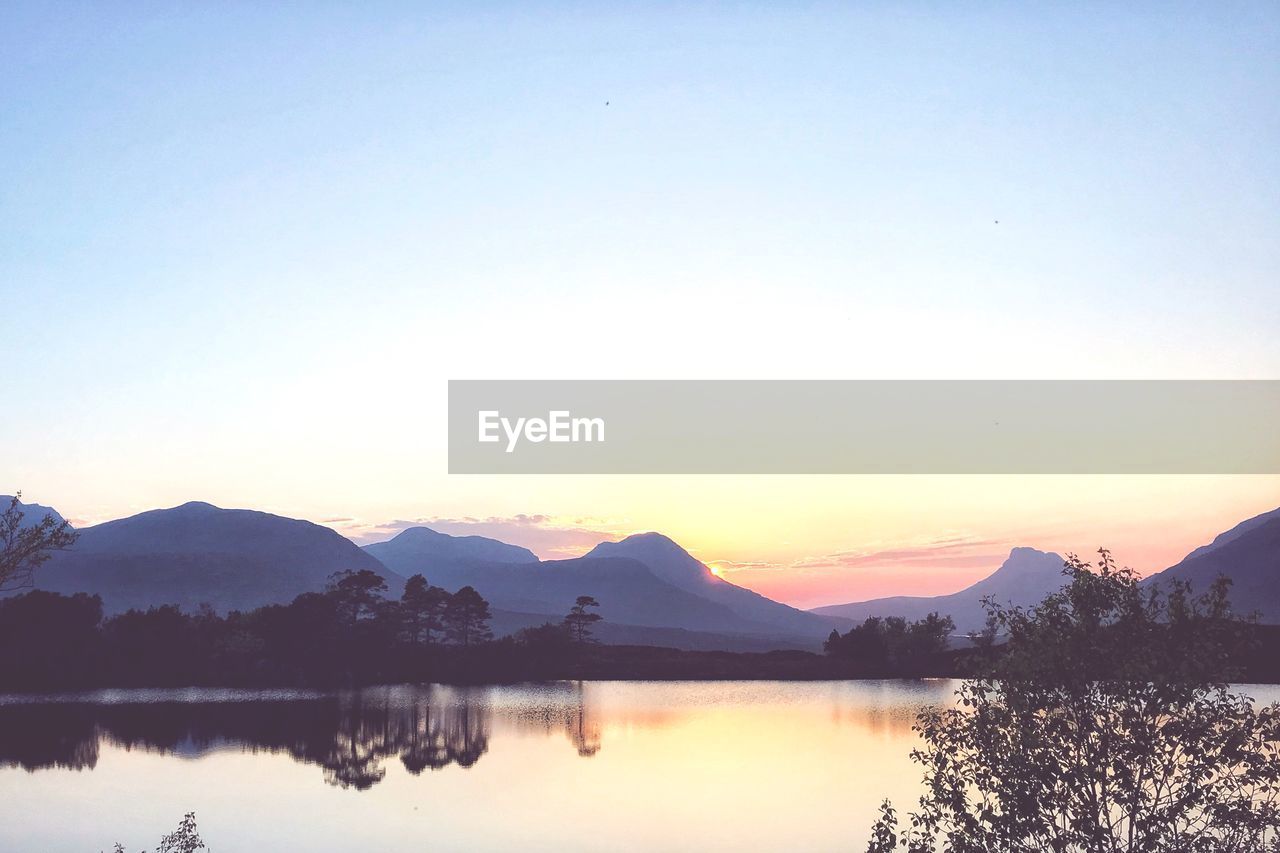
pixel 572 766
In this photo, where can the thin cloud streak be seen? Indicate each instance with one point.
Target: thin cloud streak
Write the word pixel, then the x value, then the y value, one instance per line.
pixel 957 551
pixel 935 566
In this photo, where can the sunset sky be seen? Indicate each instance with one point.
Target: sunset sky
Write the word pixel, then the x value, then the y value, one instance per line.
pixel 243 249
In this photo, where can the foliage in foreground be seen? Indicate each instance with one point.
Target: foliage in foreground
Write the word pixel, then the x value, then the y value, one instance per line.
pixel 184 839
pixel 1105 725
pixel 25 546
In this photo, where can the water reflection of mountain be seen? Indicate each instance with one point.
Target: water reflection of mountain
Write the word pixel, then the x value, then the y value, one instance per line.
pixel 349 735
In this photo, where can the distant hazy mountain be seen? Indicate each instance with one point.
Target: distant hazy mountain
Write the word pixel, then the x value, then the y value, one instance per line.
pixel 628 592
pixel 679 568
pixel 1233 534
pixel 508 622
pixel 1024 579
pixel 31 513
pixel 440 557
pixel 649 587
pixel 645 580
pixel 196 553
pixel 1249 554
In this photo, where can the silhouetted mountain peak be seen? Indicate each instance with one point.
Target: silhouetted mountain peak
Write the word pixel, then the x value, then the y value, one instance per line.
pixel 423 550
pixel 652 536
pixel 650 540
pixel 31 513
pixel 197 552
pixel 660 553
pixel 412 534
pixel 1248 554
pixel 1025 577
pixel 195 508
pixel 1235 533
pixel 669 561
pixel 1029 561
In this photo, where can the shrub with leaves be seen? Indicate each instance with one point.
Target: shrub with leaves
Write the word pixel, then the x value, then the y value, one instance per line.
pixel 184 839
pixel 1103 724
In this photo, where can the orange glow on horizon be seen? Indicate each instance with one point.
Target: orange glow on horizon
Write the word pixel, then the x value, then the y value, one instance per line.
pixel 803 540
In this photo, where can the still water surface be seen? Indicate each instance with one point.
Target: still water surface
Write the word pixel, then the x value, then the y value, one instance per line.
pixel 573 766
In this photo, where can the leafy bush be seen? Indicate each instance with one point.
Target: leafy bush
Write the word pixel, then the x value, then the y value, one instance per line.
pixel 1103 724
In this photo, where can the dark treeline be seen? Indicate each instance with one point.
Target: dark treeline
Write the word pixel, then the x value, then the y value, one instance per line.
pixel 350 634
pixel 354 634
pixel 894 645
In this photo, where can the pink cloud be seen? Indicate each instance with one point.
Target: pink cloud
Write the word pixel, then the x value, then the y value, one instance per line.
pixel 958 551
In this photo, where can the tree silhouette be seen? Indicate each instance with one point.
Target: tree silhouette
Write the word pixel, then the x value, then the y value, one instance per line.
pixel 25 547
pixel 553 637
pixel 422 609
pixel 358 594
pixel 466 618
pixel 49 640
pixel 580 621
pixel 892 643
pixel 1103 724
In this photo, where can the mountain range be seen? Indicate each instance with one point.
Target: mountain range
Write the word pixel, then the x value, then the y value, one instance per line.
pixel 645 579
pixel 1025 578
pixel 1248 554
pixel 31 513
pixel 232 559
pixel 651 590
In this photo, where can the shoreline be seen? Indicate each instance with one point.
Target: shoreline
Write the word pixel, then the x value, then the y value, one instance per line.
pixel 488 667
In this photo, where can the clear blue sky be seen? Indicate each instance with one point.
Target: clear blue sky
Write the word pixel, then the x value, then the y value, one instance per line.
pixel 242 246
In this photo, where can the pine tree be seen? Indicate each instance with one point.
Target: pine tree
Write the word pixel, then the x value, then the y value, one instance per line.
pixel 580 621
pixel 466 618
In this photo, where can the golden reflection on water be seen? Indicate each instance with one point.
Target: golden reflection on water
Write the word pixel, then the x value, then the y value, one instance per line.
pixel 575 766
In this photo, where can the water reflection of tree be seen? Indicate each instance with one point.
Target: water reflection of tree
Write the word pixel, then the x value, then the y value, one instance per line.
pixel 425 745
pixel 349 736
pixel 887 720
pixel 34 737
pixel 432 729
pixel 583 727
pixel 440 734
pixel 565 709
pixel 353 757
